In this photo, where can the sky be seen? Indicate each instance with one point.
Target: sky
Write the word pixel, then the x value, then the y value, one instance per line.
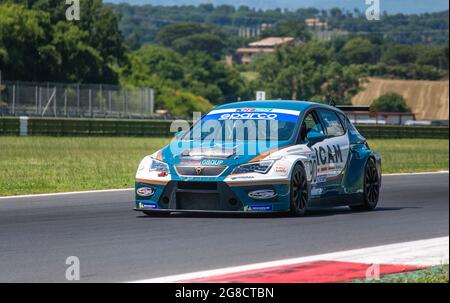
pixel 391 6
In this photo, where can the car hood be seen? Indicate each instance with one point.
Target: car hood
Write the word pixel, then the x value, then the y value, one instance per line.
pixel 227 153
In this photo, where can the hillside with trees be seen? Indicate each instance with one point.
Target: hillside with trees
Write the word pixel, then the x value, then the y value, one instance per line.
pixel 180 51
pixel 141 23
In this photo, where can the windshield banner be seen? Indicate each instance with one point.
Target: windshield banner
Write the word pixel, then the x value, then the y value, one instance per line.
pixel 253 114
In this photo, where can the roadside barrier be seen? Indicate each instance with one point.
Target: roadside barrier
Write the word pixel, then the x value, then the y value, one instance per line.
pixel 161 128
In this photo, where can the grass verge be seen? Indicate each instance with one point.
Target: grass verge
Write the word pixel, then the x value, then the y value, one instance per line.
pixel 436 274
pixel 412 155
pixel 55 164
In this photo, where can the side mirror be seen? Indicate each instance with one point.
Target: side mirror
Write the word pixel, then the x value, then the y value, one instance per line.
pixel 315 137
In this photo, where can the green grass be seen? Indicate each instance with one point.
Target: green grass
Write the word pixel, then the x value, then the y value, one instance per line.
pixel 437 274
pixel 412 155
pixel 55 164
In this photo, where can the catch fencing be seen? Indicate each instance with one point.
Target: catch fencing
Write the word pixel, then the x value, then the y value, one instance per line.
pixel 75 100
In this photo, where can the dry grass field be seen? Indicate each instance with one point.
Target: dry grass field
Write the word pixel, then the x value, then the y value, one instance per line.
pixel 427 99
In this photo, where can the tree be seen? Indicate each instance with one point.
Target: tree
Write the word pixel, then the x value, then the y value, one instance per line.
pixel 399 54
pixel 212 79
pixel 84 61
pixel 205 42
pixel 290 28
pixel 182 103
pixel 153 66
pixel 358 50
pixel 161 68
pixel 38 44
pixel 23 36
pixel 436 56
pixel 192 37
pixel 342 83
pixel 296 72
pixel 391 102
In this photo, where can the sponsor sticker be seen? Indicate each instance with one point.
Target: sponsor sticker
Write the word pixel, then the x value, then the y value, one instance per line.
pixel 253 114
pixel 254 110
pixel 151 205
pixel 262 194
pixel 321 179
pixel 248 116
pixel 242 177
pixel 145 191
pixel 211 162
pixel 260 208
pixel 281 169
pixel 316 191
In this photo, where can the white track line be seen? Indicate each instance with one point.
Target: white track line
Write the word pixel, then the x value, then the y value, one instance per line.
pixel 421 173
pixel 423 252
pixel 67 193
pixel 127 189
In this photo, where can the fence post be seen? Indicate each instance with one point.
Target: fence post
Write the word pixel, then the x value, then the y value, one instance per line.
pixel 100 104
pixel 23 128
pixel 124 102
pixel 54 101
pixel 142 103
pixel 40 100
pixel 65 101
pixel 14 100
pixel 36 93
pixel 109 102
pixel 48 91
pixel 152 101
pixel 78 100
pixel 90 102
pixel 17 101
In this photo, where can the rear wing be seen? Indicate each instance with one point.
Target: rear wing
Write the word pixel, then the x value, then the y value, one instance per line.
pixel 350 108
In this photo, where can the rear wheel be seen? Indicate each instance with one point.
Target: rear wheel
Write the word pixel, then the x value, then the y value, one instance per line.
pixel 298 192
pixel 371 187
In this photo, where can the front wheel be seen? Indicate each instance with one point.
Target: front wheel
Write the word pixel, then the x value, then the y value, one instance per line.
pixel 298 192
pixel 371 188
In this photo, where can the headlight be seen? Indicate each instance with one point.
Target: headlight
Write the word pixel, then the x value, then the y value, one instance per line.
pixel 159 167
pixel 258 167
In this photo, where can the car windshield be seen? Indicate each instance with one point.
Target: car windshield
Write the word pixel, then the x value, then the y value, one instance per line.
pixel 245 124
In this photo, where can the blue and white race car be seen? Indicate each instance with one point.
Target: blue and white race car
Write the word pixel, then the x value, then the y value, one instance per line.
pixel 262 156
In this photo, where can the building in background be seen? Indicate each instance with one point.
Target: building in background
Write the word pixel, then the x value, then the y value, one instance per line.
pixel 316 23
pixel 246 55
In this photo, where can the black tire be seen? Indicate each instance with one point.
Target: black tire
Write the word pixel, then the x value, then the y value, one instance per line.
pixel 298 192
pixel 371 188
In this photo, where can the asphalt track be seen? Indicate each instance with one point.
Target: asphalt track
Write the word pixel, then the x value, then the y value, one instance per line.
pixel 116 244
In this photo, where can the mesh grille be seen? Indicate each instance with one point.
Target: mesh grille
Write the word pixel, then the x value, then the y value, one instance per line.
pixel 204 171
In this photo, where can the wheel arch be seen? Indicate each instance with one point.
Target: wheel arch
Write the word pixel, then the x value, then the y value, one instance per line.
pixel 353 181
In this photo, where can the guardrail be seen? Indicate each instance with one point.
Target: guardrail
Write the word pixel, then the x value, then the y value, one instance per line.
pixel 86 127
pixel 161 128
pixel 399 132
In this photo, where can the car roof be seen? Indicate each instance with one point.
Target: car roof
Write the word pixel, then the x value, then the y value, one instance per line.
pixel 280 104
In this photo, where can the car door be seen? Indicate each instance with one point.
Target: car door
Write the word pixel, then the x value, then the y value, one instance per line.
pixel 333 152
pixel 312 125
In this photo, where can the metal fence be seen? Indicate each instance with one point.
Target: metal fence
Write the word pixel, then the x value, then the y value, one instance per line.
pixel 74 100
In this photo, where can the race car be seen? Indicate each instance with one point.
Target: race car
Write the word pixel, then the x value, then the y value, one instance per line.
pixel 262 157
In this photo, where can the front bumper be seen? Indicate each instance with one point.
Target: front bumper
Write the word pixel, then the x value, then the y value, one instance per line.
pixel 212 196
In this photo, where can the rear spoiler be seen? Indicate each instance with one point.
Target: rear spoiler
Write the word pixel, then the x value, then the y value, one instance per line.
pixel 349 108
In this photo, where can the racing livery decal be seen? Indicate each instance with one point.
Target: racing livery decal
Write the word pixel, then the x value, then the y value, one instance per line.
pixel 261 156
